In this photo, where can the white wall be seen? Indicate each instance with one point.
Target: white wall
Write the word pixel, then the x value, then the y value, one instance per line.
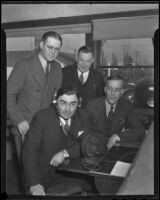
pixel 20 44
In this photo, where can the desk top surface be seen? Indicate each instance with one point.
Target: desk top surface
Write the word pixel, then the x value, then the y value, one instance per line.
pixel 124 154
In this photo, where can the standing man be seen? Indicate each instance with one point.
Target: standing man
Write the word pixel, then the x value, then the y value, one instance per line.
pixel 32 84
pixel 55 134
pixel 113 118
pixel 84 77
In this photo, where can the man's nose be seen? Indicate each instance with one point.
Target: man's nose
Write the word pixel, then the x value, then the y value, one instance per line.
pixel 113 92
pixel 53 50
pixel 67 107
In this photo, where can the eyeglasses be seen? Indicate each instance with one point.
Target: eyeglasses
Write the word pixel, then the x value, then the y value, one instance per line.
pixel 51 48
pixel 116 90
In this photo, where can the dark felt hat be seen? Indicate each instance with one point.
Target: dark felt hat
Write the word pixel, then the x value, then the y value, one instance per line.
pixel 90 146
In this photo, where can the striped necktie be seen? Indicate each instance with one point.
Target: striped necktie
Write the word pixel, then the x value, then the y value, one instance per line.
pixel 66 128
pixel 111 113
pixel 81 78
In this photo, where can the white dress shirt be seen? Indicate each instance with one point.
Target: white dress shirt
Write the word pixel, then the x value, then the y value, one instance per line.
pixel 63 121
pixel 43 62
pixel 85 75
pixel 108 107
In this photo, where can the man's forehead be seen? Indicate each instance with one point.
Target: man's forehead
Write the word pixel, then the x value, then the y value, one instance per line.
pixel 115 83
pixel 87 55
pixel 51 40
pixel 68 98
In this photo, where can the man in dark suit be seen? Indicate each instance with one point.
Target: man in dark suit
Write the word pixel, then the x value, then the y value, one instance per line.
pixel 55 133
pixel 113 119
pixel 32 84
pixel 84 77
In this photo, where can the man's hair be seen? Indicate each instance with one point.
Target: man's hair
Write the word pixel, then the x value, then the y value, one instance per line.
pixel 51 34
pixel 115 77
pixel 85 49
pixel 68 90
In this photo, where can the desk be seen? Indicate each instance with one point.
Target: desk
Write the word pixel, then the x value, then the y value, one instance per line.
pixel 104 181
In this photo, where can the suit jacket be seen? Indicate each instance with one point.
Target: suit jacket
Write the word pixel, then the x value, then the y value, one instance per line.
pixel 92 88
pixel 125 123
pixel 45 138
pixel 27 90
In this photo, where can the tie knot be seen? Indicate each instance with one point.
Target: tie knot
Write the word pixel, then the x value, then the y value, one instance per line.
pixel 112 107
pixel 66 127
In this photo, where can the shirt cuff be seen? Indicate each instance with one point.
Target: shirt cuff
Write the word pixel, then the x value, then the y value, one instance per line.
pixel 65 153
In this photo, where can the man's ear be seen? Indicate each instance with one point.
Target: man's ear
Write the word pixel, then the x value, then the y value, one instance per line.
pixel 41 44
pixel 105 89
pixel 92 60
pixel 122 92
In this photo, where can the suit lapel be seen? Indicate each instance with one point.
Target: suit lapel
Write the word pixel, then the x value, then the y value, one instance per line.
pixel 37 72
pixel 75 74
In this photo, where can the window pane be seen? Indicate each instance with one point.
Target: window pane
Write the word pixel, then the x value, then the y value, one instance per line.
pixel 131 58
pixel 124 52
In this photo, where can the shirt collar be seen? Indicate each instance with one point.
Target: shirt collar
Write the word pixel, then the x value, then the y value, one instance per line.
pixel 63 121
pixel 84 73
pixel 108 105
pixel 42 60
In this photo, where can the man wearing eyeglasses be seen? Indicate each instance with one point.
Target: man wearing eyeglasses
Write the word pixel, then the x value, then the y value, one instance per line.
pixel 113 118
pixel 32 84
pixel 84 77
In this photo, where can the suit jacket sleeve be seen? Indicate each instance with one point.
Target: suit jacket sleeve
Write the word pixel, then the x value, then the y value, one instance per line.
pixel 30 152
pixel 59 75
pixel 14 84
pixel 134 129
pixel 101 85
pixel 66 75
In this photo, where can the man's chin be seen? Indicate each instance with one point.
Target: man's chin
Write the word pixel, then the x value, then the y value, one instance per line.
pixel 66 117
pixel 112 101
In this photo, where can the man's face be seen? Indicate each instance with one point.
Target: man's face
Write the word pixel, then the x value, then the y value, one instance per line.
pixel 67 105
pixel 114 90
pixel 50 48
pixel 84 61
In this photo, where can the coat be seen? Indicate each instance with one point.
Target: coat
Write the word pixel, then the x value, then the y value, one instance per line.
pixel 45 138
pixel 27 90
pixel 125 123
pixel 92 88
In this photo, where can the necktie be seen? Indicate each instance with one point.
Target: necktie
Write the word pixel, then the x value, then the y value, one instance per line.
pixel 81 78
pixel 47 71
pixel 66 128
pixel 111 113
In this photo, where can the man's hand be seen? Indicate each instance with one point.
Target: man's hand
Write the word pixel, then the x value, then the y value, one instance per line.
pixel 112 141
pixel 37 190
pixel 57 159
pixel 23 127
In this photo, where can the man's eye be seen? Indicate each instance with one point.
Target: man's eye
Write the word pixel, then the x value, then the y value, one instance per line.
pixel 73 104
pixel 62 103
pixel 118 90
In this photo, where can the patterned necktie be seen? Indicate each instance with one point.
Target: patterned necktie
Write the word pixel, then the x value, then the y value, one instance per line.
pixel 81 78
pixel 66 128
pixel 111 113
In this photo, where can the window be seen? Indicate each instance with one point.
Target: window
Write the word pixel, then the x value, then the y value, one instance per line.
pixel 131 58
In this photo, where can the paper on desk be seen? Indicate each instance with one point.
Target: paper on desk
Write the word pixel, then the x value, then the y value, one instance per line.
pixel 120 169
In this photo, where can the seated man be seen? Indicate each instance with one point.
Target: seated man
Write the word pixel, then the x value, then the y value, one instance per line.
pixel 112 117
pixel 54 134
